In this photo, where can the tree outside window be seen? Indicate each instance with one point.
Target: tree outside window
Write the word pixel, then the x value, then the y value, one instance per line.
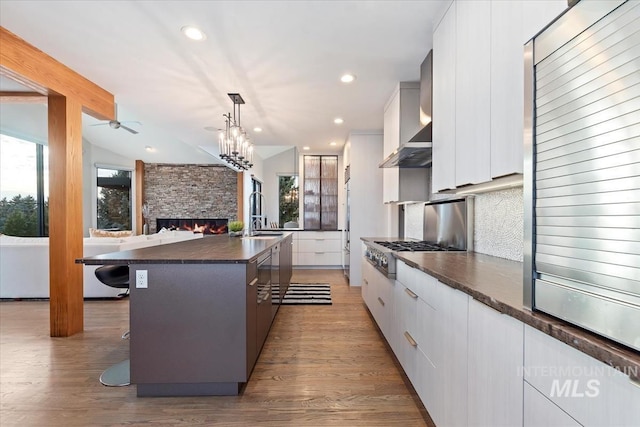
pixel 288 199
pixel 114 199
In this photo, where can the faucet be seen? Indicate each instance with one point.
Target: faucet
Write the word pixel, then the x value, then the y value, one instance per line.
pixel 255 219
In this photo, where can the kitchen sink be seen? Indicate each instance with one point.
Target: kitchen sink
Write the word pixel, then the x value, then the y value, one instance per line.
pixel 267 233
pixel 261 237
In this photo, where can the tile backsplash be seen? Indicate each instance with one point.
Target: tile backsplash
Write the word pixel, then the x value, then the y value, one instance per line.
pixel 498 223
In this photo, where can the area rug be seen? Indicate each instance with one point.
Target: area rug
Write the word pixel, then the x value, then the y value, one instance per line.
pixel 308 293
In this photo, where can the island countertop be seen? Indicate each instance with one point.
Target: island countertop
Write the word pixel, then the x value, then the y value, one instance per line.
pixel 217 249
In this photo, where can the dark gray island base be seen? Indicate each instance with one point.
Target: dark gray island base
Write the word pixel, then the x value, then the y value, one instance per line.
pixel 199 325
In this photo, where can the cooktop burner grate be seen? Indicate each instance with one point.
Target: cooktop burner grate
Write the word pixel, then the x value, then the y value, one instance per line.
pixel 417 246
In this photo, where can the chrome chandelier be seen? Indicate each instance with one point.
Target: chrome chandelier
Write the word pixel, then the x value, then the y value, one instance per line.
pixel 235 147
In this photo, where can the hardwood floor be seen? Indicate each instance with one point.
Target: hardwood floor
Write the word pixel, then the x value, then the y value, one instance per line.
pixel 320 366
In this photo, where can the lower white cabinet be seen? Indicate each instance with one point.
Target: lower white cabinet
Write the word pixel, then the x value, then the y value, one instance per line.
pixel 496 347
pixel 541 412
pixel 317 248
pixel 589 391
pixel 474 366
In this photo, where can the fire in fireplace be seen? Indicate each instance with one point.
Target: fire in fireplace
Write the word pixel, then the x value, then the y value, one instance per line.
pixel 197 225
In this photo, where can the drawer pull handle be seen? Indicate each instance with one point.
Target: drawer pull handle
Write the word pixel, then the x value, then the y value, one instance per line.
pixel 409 338
pixel 410 293
pixel 319 240
pixel 380 301
pixel 319 253
pixel 253 282
pixel 365 281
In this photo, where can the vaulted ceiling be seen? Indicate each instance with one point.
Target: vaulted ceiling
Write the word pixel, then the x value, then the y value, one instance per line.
pixel 284 57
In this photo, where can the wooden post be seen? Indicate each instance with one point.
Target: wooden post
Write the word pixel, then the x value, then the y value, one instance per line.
pixel 69 94
pixel 65 216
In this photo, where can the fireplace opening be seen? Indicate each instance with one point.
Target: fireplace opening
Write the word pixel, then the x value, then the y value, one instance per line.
pixel 197 225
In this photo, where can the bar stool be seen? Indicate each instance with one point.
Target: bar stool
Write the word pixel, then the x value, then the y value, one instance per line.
pixel 116 276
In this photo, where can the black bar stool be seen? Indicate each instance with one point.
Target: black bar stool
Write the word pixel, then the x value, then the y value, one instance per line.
pixel 116 276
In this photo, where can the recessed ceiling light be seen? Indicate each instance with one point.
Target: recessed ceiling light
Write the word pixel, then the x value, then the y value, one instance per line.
pixel 347 78
pixel 305 148
pixel 338 121
pixel 149 148
pixel 332 143
pixel 257 129
pixel 193 33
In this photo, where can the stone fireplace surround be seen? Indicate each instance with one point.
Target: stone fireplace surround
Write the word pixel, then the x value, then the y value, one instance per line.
pixel 189 191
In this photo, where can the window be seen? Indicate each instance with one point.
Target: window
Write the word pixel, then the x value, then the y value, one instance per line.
pixel 288 199
pixel 114 199
pixel 320 192
pixel 24 188
pixel 255 205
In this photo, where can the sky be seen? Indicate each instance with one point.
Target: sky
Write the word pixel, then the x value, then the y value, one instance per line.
pixel 18 168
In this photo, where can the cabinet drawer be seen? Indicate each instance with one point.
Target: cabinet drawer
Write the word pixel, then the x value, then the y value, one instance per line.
pixel 326 235
pixel 320 258
pixel 319 245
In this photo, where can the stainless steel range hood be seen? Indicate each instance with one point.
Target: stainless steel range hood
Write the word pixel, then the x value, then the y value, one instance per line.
pixel 410 155
pixel 416 153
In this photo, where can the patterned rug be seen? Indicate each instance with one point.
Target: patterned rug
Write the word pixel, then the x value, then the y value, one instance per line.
pixel 308 293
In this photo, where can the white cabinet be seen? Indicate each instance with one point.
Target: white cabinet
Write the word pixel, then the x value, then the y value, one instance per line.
pixel 589 391
pixel 507 89
pixel 541 412
pixel 401 123
pixel 317 248
pixel 378 292
pixel 472 92
pixel 496 355
pixel 478 89
pixel 432 337
pixel 444 103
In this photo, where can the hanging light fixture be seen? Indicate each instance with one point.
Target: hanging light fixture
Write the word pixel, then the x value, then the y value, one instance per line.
pixel 235 147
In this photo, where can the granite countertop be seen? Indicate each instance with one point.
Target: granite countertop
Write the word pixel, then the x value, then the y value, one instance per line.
pixel 218 249
pixel 498 283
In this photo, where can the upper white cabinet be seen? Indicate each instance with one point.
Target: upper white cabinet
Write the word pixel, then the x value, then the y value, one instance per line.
pixel 401 123
pixel 401 116
pixel 473 92
pixel 444 103
pixel 507 89
pixel 478 88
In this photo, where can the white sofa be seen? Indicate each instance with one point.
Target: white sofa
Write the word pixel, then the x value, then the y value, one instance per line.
pixel 24 262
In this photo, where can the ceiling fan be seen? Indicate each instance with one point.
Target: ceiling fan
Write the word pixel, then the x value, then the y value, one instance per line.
pixel 116 124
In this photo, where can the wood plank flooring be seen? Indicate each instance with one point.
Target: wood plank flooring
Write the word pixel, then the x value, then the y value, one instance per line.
pixel 320 366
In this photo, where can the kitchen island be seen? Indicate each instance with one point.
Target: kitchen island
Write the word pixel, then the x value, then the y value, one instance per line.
pixel 201 310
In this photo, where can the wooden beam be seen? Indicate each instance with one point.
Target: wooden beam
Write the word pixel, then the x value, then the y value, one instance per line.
pixel 36 70
pixel 240 186
pixel 65 216
pixel 22 98
pixel 139 195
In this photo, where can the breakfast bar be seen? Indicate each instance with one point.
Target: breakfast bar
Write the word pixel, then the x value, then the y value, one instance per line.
pixel 201 310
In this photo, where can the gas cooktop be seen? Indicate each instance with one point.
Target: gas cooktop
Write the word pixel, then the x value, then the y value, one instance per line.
pixel 414 246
